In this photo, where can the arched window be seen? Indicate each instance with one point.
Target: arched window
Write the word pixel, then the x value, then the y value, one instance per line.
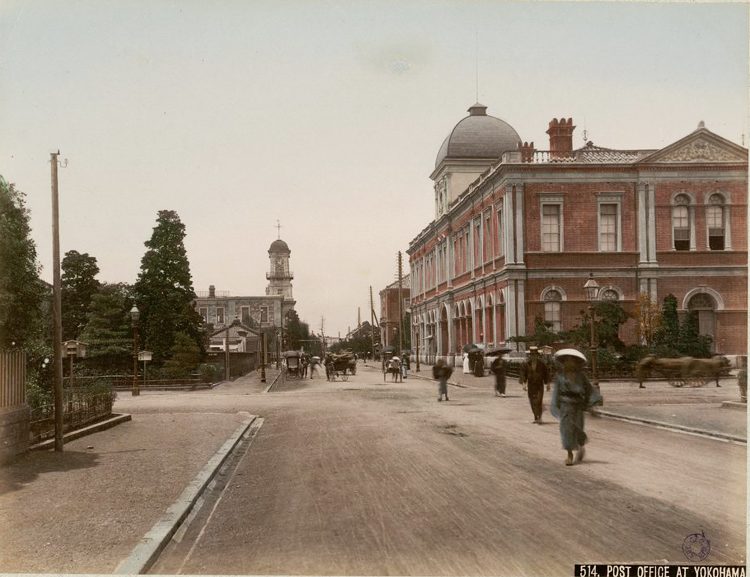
pixel 715 222
pixel 681 222
pixel 552 300
pixel 704 306
pixel 609 295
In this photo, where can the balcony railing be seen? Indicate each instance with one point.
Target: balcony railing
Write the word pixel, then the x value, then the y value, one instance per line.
pixel 279 275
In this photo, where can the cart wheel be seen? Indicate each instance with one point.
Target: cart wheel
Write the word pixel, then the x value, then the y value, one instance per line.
pixel 344 376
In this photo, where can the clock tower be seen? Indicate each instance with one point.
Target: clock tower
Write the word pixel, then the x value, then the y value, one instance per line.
pixel 279 276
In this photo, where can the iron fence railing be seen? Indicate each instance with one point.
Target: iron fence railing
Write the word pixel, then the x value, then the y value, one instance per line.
pixel 82 405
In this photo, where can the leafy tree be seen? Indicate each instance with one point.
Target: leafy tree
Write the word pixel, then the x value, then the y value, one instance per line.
pixel 184 357
pixel 691 343
pixel 649 317
pixel 667 337
pixel 164 289
pixel 108 331
pixel 542 335
pixel 609 317
pixel 295 331
pixel 22 292
pixel 79 285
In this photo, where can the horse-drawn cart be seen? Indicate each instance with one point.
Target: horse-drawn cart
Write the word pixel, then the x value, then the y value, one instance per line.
pixel 340 366
pixel 683 371
pixel 293 364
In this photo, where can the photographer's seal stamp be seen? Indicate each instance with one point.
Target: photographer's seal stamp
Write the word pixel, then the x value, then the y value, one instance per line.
pixel 696 547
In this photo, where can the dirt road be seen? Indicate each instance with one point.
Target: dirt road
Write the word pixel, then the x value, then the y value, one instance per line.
pixel 366 478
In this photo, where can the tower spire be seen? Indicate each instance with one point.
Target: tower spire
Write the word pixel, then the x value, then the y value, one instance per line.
pixel 278 229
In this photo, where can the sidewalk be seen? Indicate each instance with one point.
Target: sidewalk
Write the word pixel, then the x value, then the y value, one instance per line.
pixel 84 510
pixel 659 404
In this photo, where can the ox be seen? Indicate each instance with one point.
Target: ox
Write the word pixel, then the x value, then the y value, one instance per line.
pixel 682 369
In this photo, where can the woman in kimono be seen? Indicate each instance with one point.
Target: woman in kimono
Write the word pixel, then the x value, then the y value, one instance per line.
pixel 466 367
pixel 571 395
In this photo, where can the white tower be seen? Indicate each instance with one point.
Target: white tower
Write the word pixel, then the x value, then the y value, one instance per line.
pixel 279 276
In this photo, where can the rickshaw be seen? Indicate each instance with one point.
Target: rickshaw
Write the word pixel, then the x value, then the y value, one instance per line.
pixel 293 363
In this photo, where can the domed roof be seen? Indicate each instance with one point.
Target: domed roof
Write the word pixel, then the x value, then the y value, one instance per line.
pixel 479 136
pixel 279 246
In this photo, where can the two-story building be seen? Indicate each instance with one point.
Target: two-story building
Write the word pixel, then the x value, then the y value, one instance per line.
pixel 517 231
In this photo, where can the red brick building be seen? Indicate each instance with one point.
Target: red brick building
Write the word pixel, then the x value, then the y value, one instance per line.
pixel 389 311
pixel 518 230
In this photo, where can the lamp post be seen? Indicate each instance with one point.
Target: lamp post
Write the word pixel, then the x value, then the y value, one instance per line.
pixel 135 314
pixel 417 338
pixel 262 344
pixel 592 293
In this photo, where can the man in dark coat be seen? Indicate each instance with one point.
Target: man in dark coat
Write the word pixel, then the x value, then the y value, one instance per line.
pixel 535 374
pixel 498 369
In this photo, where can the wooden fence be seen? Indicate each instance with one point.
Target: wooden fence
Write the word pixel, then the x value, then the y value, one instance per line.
pixel 12 378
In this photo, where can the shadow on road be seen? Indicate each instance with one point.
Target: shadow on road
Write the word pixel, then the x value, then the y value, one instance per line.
pixel 28 467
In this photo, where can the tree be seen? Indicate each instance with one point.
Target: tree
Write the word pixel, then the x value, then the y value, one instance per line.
pixel 691 343
pixel 609 317
pixel 21 290
pixel 649 317
pixel 108 331
pixel 79 285
pixel 296 332
pixel 164 289
pixel 184 356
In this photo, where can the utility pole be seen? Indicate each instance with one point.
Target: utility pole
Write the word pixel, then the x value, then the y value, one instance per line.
pixel 57 307
pixel 372 326
pixel 400 305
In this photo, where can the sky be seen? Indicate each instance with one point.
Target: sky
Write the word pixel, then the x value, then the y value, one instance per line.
pixel 325 115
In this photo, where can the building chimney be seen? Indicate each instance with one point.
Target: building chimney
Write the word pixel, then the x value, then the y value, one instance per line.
pixel 527 151
pixel 211 292
pixel 560 137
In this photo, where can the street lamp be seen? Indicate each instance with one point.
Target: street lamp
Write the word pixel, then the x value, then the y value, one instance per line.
pixel 592 293
pixel 135 314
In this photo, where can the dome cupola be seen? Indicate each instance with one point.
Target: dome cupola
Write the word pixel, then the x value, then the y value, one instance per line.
pixel 478 136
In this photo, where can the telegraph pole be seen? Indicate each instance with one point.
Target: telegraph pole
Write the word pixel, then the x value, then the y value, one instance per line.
pixel 57 307
pixel 372 327
pixel 400 304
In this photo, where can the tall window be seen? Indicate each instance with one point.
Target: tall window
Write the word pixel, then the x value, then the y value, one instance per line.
pixel 203 311
pixel 219 315
pixel 500 247
pixel 681 222
pixel 551 227
pixel 477 244
pixel 263 314
pixel 245 314
pixel 608 227
pixel 487 246
pixel 715 222
pixel 552 300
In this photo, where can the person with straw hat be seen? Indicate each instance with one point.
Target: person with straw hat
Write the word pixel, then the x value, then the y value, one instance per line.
pixel 571 395
pixel 535 374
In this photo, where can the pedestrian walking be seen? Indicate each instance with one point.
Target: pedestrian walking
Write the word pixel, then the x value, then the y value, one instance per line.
pixel 466 367
pixel 314 366
pixel 441 373
pixel 571 395
pixel 535 374
pixel 395 369
pixel 498 369
pixel 405 365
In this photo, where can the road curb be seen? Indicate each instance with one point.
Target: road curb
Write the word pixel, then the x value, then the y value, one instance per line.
pixel 273 382
pixel 78 433
pixel 672 426
pixel 152 543
pixel 738 405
